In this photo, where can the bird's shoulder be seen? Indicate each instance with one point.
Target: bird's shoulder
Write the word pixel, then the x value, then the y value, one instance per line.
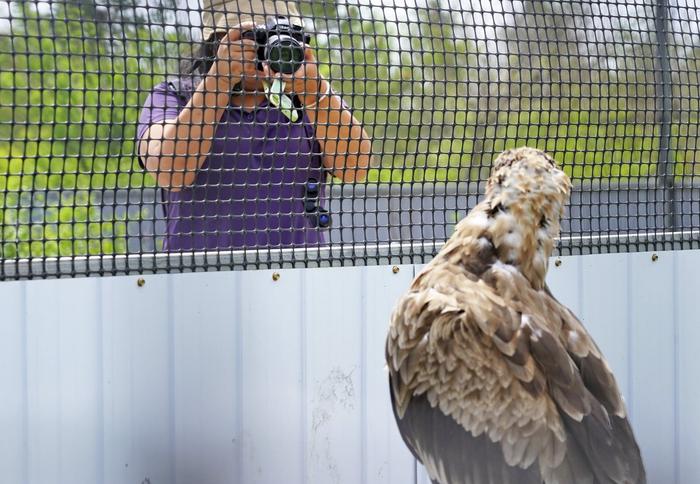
pixel 542 342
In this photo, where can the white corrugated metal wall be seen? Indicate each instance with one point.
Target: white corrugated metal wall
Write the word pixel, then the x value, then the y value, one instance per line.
pixel 232 377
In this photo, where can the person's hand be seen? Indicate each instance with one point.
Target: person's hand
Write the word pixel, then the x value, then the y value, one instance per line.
pixel 306 82
pixel 236 58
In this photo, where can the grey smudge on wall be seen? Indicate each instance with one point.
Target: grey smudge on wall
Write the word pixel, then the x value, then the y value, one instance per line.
pixel 338 387
pixel 320 417
pixel 333 394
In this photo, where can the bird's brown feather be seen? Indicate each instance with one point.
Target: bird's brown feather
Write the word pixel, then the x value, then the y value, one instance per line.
pixel 481 339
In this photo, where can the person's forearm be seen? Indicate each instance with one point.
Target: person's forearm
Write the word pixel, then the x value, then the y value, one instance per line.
pixel 346 146
pixel 185 141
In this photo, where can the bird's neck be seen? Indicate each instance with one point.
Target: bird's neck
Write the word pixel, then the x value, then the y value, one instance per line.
pixel 517 237
pixel 520 241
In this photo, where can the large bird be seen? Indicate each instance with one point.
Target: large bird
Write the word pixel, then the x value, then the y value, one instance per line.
pixel 492 380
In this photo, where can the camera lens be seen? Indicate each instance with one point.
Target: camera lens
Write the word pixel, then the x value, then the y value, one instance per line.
pixel 285 54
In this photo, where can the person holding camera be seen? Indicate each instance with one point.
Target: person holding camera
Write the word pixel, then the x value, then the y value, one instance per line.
pixel 241 143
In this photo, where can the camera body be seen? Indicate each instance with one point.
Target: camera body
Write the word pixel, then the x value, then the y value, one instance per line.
pixel 280 44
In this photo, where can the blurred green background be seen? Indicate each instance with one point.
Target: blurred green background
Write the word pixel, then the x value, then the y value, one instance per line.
pixel 438 95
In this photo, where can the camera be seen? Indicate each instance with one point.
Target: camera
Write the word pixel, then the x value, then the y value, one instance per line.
pixel 280 44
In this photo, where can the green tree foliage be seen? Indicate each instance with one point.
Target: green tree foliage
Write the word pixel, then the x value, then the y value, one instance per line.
pixel 586 83
pixel 437 100
pixel 440 103
pixel 70 102
pixel 407 81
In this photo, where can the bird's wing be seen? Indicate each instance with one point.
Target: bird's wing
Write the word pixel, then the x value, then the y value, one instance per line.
pixel 508 362
pixel 452 455
pixel 604 434
pixel 466 427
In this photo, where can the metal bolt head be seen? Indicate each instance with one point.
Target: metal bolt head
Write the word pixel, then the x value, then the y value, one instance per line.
pixel 140 282
pixel 395 269
pixel 275 276
pixel 557 262
pixel 654 257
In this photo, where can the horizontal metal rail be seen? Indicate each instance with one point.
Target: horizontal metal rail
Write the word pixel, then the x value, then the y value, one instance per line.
pixel 325 256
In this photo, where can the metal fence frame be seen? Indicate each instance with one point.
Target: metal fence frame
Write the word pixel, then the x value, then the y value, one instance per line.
pixel 675 202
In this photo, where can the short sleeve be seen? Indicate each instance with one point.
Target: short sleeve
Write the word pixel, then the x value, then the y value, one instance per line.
pixel 163 103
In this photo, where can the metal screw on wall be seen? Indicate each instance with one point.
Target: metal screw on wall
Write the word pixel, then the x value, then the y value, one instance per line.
pixel 654 257
pixel 140 282
pixel 557 262
pixel 395 269
pixel 275 276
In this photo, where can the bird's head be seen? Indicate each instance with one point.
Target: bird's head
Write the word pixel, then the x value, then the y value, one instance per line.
pixel 527 183
pixel 525 199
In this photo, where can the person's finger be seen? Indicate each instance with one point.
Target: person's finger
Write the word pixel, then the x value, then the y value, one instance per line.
pixel 309 55
pixel 267 71
pixel 239 54
pixel 233 35
pixel 239 46
pixel 250 72
pixel 247 54
pixel 236 32
pixel 249 44
pixel 250 59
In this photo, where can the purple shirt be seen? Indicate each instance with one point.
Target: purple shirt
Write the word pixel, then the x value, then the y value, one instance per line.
pixel 250 191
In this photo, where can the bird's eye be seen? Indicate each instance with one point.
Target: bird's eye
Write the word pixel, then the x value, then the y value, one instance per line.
pixel 544 223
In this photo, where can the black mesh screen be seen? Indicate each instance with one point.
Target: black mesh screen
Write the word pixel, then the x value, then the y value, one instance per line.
pixel 367 153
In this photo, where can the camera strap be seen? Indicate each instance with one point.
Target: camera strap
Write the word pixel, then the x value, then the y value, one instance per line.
pixel 277 97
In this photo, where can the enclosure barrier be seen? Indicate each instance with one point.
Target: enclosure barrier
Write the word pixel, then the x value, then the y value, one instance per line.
pixel 177 378
pixel 271 376
pixel 440 87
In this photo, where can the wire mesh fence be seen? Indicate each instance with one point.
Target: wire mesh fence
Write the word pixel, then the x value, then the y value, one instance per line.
pixel 142 135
